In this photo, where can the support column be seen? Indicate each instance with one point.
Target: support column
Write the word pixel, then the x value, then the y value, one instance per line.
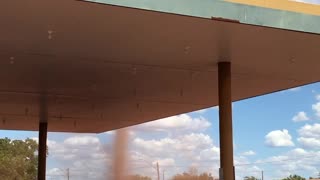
pixel 42 147
pixel 42 150
pixel 225 122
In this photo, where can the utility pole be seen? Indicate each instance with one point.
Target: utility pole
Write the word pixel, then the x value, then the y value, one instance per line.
pixel 163 175
pixel 68 173
pixel 261 175
pixel 158 172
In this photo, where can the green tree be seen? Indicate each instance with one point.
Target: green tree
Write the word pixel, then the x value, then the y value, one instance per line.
pixel 18 159
pixel 294 177
pixel 250 178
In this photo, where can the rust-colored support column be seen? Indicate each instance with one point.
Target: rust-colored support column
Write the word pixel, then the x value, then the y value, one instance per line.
pixel 225 122
pixel 42 147
pixel 42 150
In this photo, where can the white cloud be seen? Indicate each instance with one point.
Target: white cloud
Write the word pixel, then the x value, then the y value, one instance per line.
pixel 300 116
pixel 201 111
pixel 295 89
pixel 85 156
pixel 82 141
pixel 279 138
pixel 309 142
pixel 316 108
pixel 248 153
pixel 164 162
pixel 298 159
pixel 88 158
pixel 318 97
pixel 188 149
pixel 212 153
pixel 244 167
pixel 217 107
pixel 209 109
pixel 297 152
pixel 309 136
pixel 310 131
pixel 186 145
pixel 291 162
pixel 110 132
pixel 180 123
pixel 54 172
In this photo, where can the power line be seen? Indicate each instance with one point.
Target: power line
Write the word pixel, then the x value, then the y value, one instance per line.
pixel 244 164
pixel 275 161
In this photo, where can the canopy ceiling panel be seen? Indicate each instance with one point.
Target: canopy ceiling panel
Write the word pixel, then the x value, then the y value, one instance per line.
pixel 102 67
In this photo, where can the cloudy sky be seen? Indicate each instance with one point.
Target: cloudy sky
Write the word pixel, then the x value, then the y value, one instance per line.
pixel 277 133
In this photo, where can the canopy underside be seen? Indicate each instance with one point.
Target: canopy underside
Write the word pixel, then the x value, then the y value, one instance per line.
pixel 104 67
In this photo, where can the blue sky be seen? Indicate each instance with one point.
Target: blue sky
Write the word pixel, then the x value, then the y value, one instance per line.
pixel 277 133
pixel 310 1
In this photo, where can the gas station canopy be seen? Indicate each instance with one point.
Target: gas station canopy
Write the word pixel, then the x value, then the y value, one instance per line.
pixel 102 67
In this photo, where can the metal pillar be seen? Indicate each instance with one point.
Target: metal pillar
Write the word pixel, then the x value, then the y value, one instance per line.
pixel 42 150
pixel 42 147
pixel 225 122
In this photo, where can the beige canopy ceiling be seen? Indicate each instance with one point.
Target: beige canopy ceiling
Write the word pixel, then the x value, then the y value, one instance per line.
pixel 103 67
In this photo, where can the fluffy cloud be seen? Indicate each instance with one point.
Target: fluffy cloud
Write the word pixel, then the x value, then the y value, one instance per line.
pixel 193 149
pixel 316 108
pixel 180 123
pixel 89 159
pixel 164 162
pixel 291 162
pixel 201 111
pixel 187 145
pixel 310 131
pixel 82 141
pixel 309 136
pixel 85 156
pixel 110 132
pixel 244 167
pixel 207 109
pixel 295 89
pixel 297 152
pixel 210 153
pixel 248 153
pixel 279 138
pixel 309 142
pixel 300 116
